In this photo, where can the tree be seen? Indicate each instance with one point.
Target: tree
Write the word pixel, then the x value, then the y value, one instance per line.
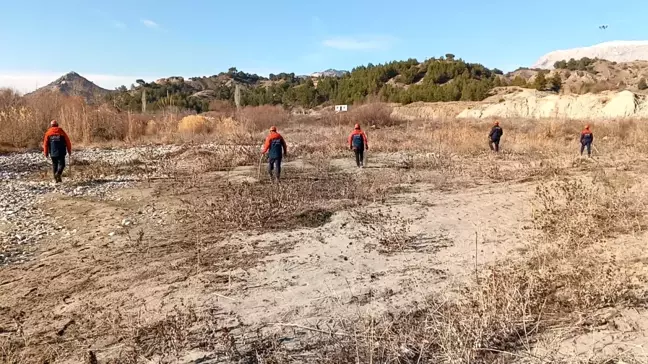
pixel 555 83
pixel 499 82
pixel 560 64
pixel 435 79
pixel 540 82
pixel 497 71
pixel 519 81
pixel 140 82
pixel 642 84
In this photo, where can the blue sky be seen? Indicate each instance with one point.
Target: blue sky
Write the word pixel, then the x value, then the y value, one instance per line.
pixel 114 42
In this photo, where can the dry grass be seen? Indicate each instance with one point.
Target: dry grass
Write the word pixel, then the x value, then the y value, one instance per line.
pixel 194 124
pixel 564 277
pixel 261 118
pixel 370 115
pixel 304 199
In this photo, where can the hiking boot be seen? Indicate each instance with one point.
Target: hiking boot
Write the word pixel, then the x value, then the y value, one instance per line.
pixel 58 178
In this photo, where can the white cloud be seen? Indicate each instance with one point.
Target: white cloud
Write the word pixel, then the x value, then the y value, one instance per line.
pixel 30 81
pixel 150 24
pixel 360 43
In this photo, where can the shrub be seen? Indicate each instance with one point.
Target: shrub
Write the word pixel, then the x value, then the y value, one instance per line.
pixel 642 84
pixel 374 114
pixel 259 118
pixel 194 124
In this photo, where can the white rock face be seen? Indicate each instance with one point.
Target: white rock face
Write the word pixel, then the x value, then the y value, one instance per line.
pixel 617 51
pixel 329 73
pixel 531 104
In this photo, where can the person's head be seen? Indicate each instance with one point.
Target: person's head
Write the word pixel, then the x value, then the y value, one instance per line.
pixel 496 123
pixel 53 123
pixel 273 129
pixel 357 127
pixel 587 127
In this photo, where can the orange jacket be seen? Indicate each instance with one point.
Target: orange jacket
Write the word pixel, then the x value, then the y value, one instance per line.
pixel 53 146
pixel 354 139
pixel 275 144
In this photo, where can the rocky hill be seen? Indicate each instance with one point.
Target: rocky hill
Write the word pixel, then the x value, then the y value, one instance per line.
pixel 518 103
pixel 329 73
pixel 592 76
pixel 533 104
pixel 73 84
pixel 616 51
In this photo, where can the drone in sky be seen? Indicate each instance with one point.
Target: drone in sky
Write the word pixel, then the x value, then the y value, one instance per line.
pixel 603 27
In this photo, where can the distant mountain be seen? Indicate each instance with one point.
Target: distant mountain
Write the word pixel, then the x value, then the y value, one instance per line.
pixel 329 73
pixel 616 51
pixel 73 84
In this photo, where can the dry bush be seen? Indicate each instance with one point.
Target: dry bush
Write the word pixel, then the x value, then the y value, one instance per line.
pixel 231 131
pixel 369 115
pixel 194 124
pixel 589 212
pixel 428 161
pixel 10 98
pixel 221 109
pixel 261 118
pixel 242 206
pixel 225 158
pixel 23 121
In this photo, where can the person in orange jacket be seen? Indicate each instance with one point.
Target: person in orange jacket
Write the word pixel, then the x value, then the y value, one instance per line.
pixel 276 148
pixel 358 143
pixel 56 144
pixel 586 140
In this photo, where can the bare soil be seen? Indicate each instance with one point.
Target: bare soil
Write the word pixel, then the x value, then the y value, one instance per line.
pixel 332 242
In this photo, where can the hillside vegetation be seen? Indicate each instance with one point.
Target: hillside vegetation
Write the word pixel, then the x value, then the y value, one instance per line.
pixel 444 79
pixel 436 79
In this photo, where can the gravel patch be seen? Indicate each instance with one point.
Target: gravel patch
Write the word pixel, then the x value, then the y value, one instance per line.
pixel 23 224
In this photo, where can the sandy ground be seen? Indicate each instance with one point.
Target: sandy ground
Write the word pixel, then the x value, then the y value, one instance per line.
pixel 132 261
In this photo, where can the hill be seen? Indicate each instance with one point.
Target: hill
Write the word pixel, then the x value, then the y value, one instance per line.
pixel 435 79
pixel 73 84
pixel 329 73
pixel 588 75
pixel 440 79
pixel 616 51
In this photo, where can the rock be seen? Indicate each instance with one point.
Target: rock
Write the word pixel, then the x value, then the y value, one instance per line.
pixel 112 233
pixel 532 104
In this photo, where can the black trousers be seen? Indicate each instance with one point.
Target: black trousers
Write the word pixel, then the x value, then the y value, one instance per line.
pixel 494 145
pixel 359 155
pixel 58 165
pixel 274 164
pixel 588 146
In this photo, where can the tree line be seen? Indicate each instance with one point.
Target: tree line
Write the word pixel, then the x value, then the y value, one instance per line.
pixel 436 79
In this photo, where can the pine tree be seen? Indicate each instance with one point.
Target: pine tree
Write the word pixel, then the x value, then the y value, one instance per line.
pixel 519 81
pixel 540 82
pixel 556 82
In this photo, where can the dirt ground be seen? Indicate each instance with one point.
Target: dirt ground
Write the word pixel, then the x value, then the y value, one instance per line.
pixel 148 263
